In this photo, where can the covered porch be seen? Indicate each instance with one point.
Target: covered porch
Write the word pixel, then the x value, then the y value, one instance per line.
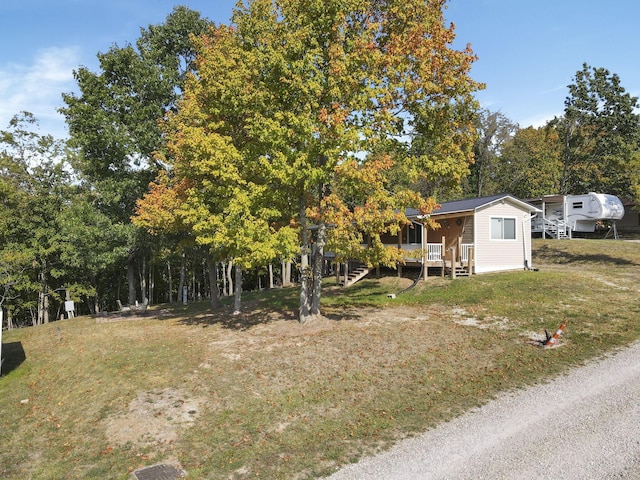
pixel 446 251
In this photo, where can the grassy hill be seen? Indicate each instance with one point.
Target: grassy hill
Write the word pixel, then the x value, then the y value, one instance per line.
pixel 260 396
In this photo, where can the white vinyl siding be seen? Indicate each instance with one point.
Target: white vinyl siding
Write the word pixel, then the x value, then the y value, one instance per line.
pixel 500 244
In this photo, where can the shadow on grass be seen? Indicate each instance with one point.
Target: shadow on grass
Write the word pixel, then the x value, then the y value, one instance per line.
pixel 13 356
pixel 261 308
pixel 558 256
pixel 365 294
pixel 252 315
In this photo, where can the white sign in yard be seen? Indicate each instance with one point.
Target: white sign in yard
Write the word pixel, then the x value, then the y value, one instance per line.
pixel 69 307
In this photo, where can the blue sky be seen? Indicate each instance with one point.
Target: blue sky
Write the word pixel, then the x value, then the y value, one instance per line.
pixel 529 50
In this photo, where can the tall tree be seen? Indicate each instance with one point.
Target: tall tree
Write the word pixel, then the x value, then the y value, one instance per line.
pixel 600 131
pixel 160 212
pixel 93 248
pixel 34 188
pixel 494 130
pixel 530 163
pixel 296 90
pixel 114 120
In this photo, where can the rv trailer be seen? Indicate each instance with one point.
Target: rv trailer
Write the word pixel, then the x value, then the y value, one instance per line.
pixel 564 214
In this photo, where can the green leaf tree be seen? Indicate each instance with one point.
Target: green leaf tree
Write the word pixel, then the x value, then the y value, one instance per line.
pixel 93 248
pixel 113 121
pixel 296 90
pixel 34 188
pixel 494 129
pixel 160 212
pixel 530 163
pixel 600 132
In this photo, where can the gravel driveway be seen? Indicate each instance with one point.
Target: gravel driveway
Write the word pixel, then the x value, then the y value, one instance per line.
pixel 584 425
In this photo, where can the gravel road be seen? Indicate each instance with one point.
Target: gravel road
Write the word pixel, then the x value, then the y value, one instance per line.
pixel 584 425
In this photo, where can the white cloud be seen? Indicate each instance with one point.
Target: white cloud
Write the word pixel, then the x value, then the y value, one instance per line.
pixel 539 120
pixel 37 86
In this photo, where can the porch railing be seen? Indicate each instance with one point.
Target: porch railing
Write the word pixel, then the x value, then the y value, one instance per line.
pixel 464 252
pixel 434 252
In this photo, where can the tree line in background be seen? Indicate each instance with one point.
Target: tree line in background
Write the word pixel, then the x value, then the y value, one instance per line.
pixel 215 157
pixel 593 147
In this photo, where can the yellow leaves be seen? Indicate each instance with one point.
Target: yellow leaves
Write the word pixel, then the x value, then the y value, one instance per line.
pixel 158 210
pixel 311 102
pixel 361 208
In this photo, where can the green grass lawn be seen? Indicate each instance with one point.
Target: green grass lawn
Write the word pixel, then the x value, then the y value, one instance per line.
pixel 261 396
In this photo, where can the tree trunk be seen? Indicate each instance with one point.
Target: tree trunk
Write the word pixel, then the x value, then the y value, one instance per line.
pixel 224 279
pixel 143 281
pixel 131 278
pixel 45 307
pixel 202 291
pixel 182 277
pixel 270 276
pixel 318 264
pixel 305 270
pixel 284 283
pixel 237 301
pixel 212 266
pixel 43 300
pixel 229 277
pixel 195 287
pixel 152 282
pixel 170 278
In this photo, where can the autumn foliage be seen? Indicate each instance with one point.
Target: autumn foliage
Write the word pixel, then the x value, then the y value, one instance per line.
pixel 296 115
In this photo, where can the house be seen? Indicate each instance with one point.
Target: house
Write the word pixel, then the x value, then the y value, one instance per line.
pixel 477 235
pixel 563 215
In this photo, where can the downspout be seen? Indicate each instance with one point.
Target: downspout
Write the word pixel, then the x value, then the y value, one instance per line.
pixel 527 262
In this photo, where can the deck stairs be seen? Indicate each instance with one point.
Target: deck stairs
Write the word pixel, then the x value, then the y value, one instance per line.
pixel 355 275
pixel 556 229
pixel 460 270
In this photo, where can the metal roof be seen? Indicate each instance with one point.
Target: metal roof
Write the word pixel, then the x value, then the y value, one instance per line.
pixel 472 204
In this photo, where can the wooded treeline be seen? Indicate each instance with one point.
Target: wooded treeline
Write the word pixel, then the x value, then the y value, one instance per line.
pixel 218 157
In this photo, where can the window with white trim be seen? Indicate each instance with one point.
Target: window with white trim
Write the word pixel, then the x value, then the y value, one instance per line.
pixel 503 228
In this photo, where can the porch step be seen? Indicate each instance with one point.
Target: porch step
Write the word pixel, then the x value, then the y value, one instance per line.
pixel 462 272
pixel 355 275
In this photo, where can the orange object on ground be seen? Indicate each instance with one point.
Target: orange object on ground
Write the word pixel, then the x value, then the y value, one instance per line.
pixel 554 338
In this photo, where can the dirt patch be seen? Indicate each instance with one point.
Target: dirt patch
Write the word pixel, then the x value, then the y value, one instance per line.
pixel 153 418
pixel 608 283
pixel 462 317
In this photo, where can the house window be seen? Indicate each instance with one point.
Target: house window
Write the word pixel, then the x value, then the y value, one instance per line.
pixel 415 233
pixel 503 229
